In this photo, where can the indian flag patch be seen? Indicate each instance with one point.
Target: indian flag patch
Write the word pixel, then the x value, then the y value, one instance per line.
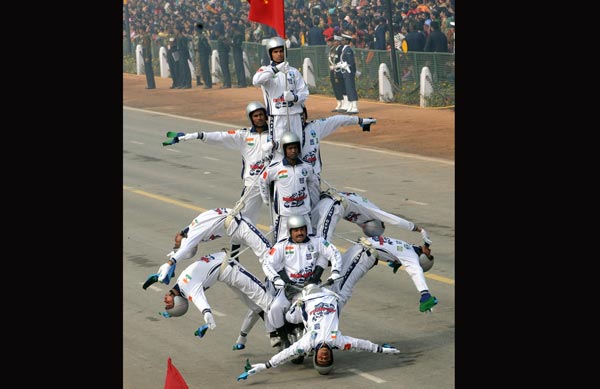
pixel 250 141
pixel 289 250
pixel 282 174
pixel 333 334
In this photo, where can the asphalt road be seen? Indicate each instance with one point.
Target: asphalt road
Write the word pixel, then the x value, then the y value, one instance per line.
pixel 164 188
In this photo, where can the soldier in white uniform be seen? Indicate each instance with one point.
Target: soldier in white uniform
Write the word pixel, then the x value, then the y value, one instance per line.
pixel 296 261
pixel 195 279
pixel 320 313
pixel 296 186
pixel 284 91
pixel 334 206
pixel 254 144
pixel 211 225
pixel 361 257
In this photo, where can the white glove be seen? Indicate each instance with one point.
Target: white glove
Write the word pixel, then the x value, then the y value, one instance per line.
pixel 190 136
pixel 283 67
pixel 257 368
pixel 425 236
pixel 267 147
pixel 335 275
pixel 210 320
pixel 339 65
pixel 331 67
pixel 368 121
pixel 288 95
pixel 390 350
pixel 163 270
pixel 279 283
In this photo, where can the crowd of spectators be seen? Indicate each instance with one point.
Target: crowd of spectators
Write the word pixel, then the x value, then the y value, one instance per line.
pixel 305 20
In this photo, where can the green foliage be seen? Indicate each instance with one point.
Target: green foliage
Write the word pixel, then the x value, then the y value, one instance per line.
pixel 129 65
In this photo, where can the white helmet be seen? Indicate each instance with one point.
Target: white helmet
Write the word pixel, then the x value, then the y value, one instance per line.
pixel 295 222
pixel 289 138
pixel 180 307
pixel 373 227
pixel 254 106
pixel 323 369
pixel 273 43
pixel 425 262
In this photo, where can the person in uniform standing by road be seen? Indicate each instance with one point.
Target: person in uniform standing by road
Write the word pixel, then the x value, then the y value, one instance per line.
pixel 204 51
pixel 223 48
pixel 335 75
pixel 347 65
pixel 237 39
pixel 184 74
pixel 147 54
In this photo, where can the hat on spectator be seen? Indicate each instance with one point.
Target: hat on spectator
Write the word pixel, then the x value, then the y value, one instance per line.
pixel 337 38
pixel 329 38
pixel 346 36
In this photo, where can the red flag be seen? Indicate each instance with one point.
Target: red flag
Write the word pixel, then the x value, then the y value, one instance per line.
pixel 174 378
pixel 269 12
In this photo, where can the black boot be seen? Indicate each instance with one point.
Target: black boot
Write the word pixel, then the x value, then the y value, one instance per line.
pixel 198 83
pixel 284 336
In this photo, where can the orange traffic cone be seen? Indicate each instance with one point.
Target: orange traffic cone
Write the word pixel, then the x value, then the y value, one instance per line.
pixel 174 378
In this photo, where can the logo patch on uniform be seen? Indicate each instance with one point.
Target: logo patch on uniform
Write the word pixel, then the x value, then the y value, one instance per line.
pixel 231 132
pixel 326 243
pixel 289 250
pixel 250 141
pixel 399 248
pixel 347 346
pixel 304 172
pixel 272 251
pixel 282 174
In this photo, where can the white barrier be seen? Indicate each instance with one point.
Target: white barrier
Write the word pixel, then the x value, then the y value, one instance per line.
pixel 139 60
pixel 191 63
pixel 164 65
pixel 426 88
pixel 307 73
pixel 215 67
pixel 386 93
pixel 247 67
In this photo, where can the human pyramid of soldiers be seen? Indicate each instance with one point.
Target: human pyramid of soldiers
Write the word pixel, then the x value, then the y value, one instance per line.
pixel 282 169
